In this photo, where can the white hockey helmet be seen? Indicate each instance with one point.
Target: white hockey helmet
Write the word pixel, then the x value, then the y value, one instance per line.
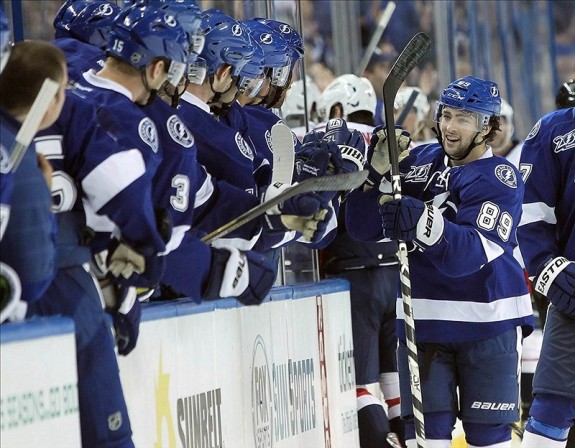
pixel 354 93
pixel 421 103
pixel 506 111
pixel 295 102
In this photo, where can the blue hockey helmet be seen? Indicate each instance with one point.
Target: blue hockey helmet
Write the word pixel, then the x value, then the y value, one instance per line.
pixel 290 35
pixel 276 51
pixel 473 95
pixel 188 14
pixel 5 43
pixel 88 21
pixel 226 42
pixel 253 73
pixel 141 33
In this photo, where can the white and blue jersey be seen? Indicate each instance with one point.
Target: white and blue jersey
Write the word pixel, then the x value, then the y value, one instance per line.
pixel 468 286
pixel 27 225
pixel 547 228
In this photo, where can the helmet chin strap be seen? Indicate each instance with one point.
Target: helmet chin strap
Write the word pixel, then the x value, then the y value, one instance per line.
pixel 153 93
pixel 470 148
pixel 218 95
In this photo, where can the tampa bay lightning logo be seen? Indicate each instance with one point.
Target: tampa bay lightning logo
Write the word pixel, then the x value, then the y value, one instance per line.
pixel 170 20
pixel 266 39
pixel 506 175
pixel 494 91
pixel 179 132
pixel 285 28
pixel 564 142
pixel 105 9
pixel 237 30
pixel 148 133
pixel 243 147
pixel 534 131
pixel 268 137
pixel 4 160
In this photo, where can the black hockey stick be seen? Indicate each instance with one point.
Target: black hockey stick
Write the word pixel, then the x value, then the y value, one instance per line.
pixel 337 182
pixel 412 54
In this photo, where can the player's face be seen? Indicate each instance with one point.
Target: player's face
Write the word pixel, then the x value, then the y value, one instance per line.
pixel 459 129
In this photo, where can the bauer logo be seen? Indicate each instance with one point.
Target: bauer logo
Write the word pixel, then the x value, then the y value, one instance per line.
pixel 148 133
pixel 506 175
pixel 534 131
pixel 564 142
pixel 243 147
pixel 262 402
pixel 179 132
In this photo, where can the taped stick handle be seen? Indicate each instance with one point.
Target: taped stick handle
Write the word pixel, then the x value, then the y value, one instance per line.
pixel 32 122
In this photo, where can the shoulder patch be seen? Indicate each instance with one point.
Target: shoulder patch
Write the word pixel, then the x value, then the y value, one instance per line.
pixel 243 147
pixel 179 132
pixel 534 131
pixel 268 137
pixel 564 142
pixel 5 163
pixel 506 175
pixel 148 133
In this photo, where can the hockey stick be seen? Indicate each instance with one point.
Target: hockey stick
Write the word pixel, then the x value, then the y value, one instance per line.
pixel 406 108
pixel 414 52
pixel 337 182
pixel 384 19
pixel 32 122
pixel 283 147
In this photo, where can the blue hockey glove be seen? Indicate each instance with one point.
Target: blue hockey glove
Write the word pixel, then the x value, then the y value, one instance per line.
pixel 316 159
pixel 313 137
pixel 557 282
pixel 127 320
pixel 350 143
pixel 133 267
pixel 378 160
pixel 410 219
pixel 248 276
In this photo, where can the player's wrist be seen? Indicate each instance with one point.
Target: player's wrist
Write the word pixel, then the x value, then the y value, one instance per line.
pixel 549 273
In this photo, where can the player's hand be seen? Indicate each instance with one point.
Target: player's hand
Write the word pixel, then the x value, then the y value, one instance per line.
pixel 410 219
pixel 317 159
pixel 378 158
pixel 131 267
pixel 313 137
pixel 557 282
pixel 312 228
pixel 246 275
pixel 127 320
pixel 350 143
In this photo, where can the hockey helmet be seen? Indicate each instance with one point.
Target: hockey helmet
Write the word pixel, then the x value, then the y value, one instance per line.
pixel 421 104
pixel 472 95
pixel 141 33
pixel 294 103
pixel 354 93
pixel 566 95
pixel 290 35
pixel 275 48
pixel 87 21
pixel 5 44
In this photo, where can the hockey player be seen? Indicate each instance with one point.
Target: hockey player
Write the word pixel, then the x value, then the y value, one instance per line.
pixel 547 240
pixel 371 269
pixel 82 28
pixel 27 224
pixel 459 214
pixel 416 118
pixel 504 144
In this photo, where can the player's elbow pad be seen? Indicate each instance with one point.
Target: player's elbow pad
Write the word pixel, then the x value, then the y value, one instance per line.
pixel 557 282
pixel 245 275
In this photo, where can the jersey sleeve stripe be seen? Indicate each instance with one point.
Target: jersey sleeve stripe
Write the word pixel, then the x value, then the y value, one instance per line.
pixel 491 249
pixel 537 211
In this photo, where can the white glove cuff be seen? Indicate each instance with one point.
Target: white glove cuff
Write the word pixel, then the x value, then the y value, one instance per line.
pixel 272 191
pixel 549 274
pixel 236 277
pixel 352 154
pixel 430 226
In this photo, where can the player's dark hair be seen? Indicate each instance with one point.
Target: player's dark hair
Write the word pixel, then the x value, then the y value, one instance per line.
pixel 30 63
pixel 494 122
pixel 361 116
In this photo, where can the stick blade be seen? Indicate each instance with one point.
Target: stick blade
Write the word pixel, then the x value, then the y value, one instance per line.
pixel 283 152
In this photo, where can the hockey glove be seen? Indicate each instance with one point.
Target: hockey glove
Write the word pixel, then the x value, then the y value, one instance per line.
pixel 317 159
pixel 127 320
pixel 313 137
pixel 410 219
pixel 248 276
pixel 378 159
pixel 557 282
pixel 303 213
pixel 132 267
pixel 350 143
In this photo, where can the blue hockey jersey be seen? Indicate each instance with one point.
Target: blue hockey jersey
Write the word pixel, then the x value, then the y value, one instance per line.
pixel 547 228
pixel 467 286
pixel 80 57
pixel 29 236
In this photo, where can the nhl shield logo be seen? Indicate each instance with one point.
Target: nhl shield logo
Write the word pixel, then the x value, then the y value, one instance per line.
pixel 148 133
pixel 506 175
